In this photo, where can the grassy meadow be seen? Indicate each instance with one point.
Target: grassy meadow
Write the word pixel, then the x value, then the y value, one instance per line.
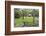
pixel 21 20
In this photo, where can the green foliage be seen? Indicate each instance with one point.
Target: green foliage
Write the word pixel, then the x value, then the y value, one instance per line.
pixel 24 12
pixel 35 12
pixel 21 12
pixel 17 13
pixel 22 16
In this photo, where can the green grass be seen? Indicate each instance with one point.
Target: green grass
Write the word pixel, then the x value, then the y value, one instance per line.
pixel 20 20
pixel 28 19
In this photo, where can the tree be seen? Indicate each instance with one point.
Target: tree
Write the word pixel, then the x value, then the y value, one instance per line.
pixel 17 13
pixel 35 13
